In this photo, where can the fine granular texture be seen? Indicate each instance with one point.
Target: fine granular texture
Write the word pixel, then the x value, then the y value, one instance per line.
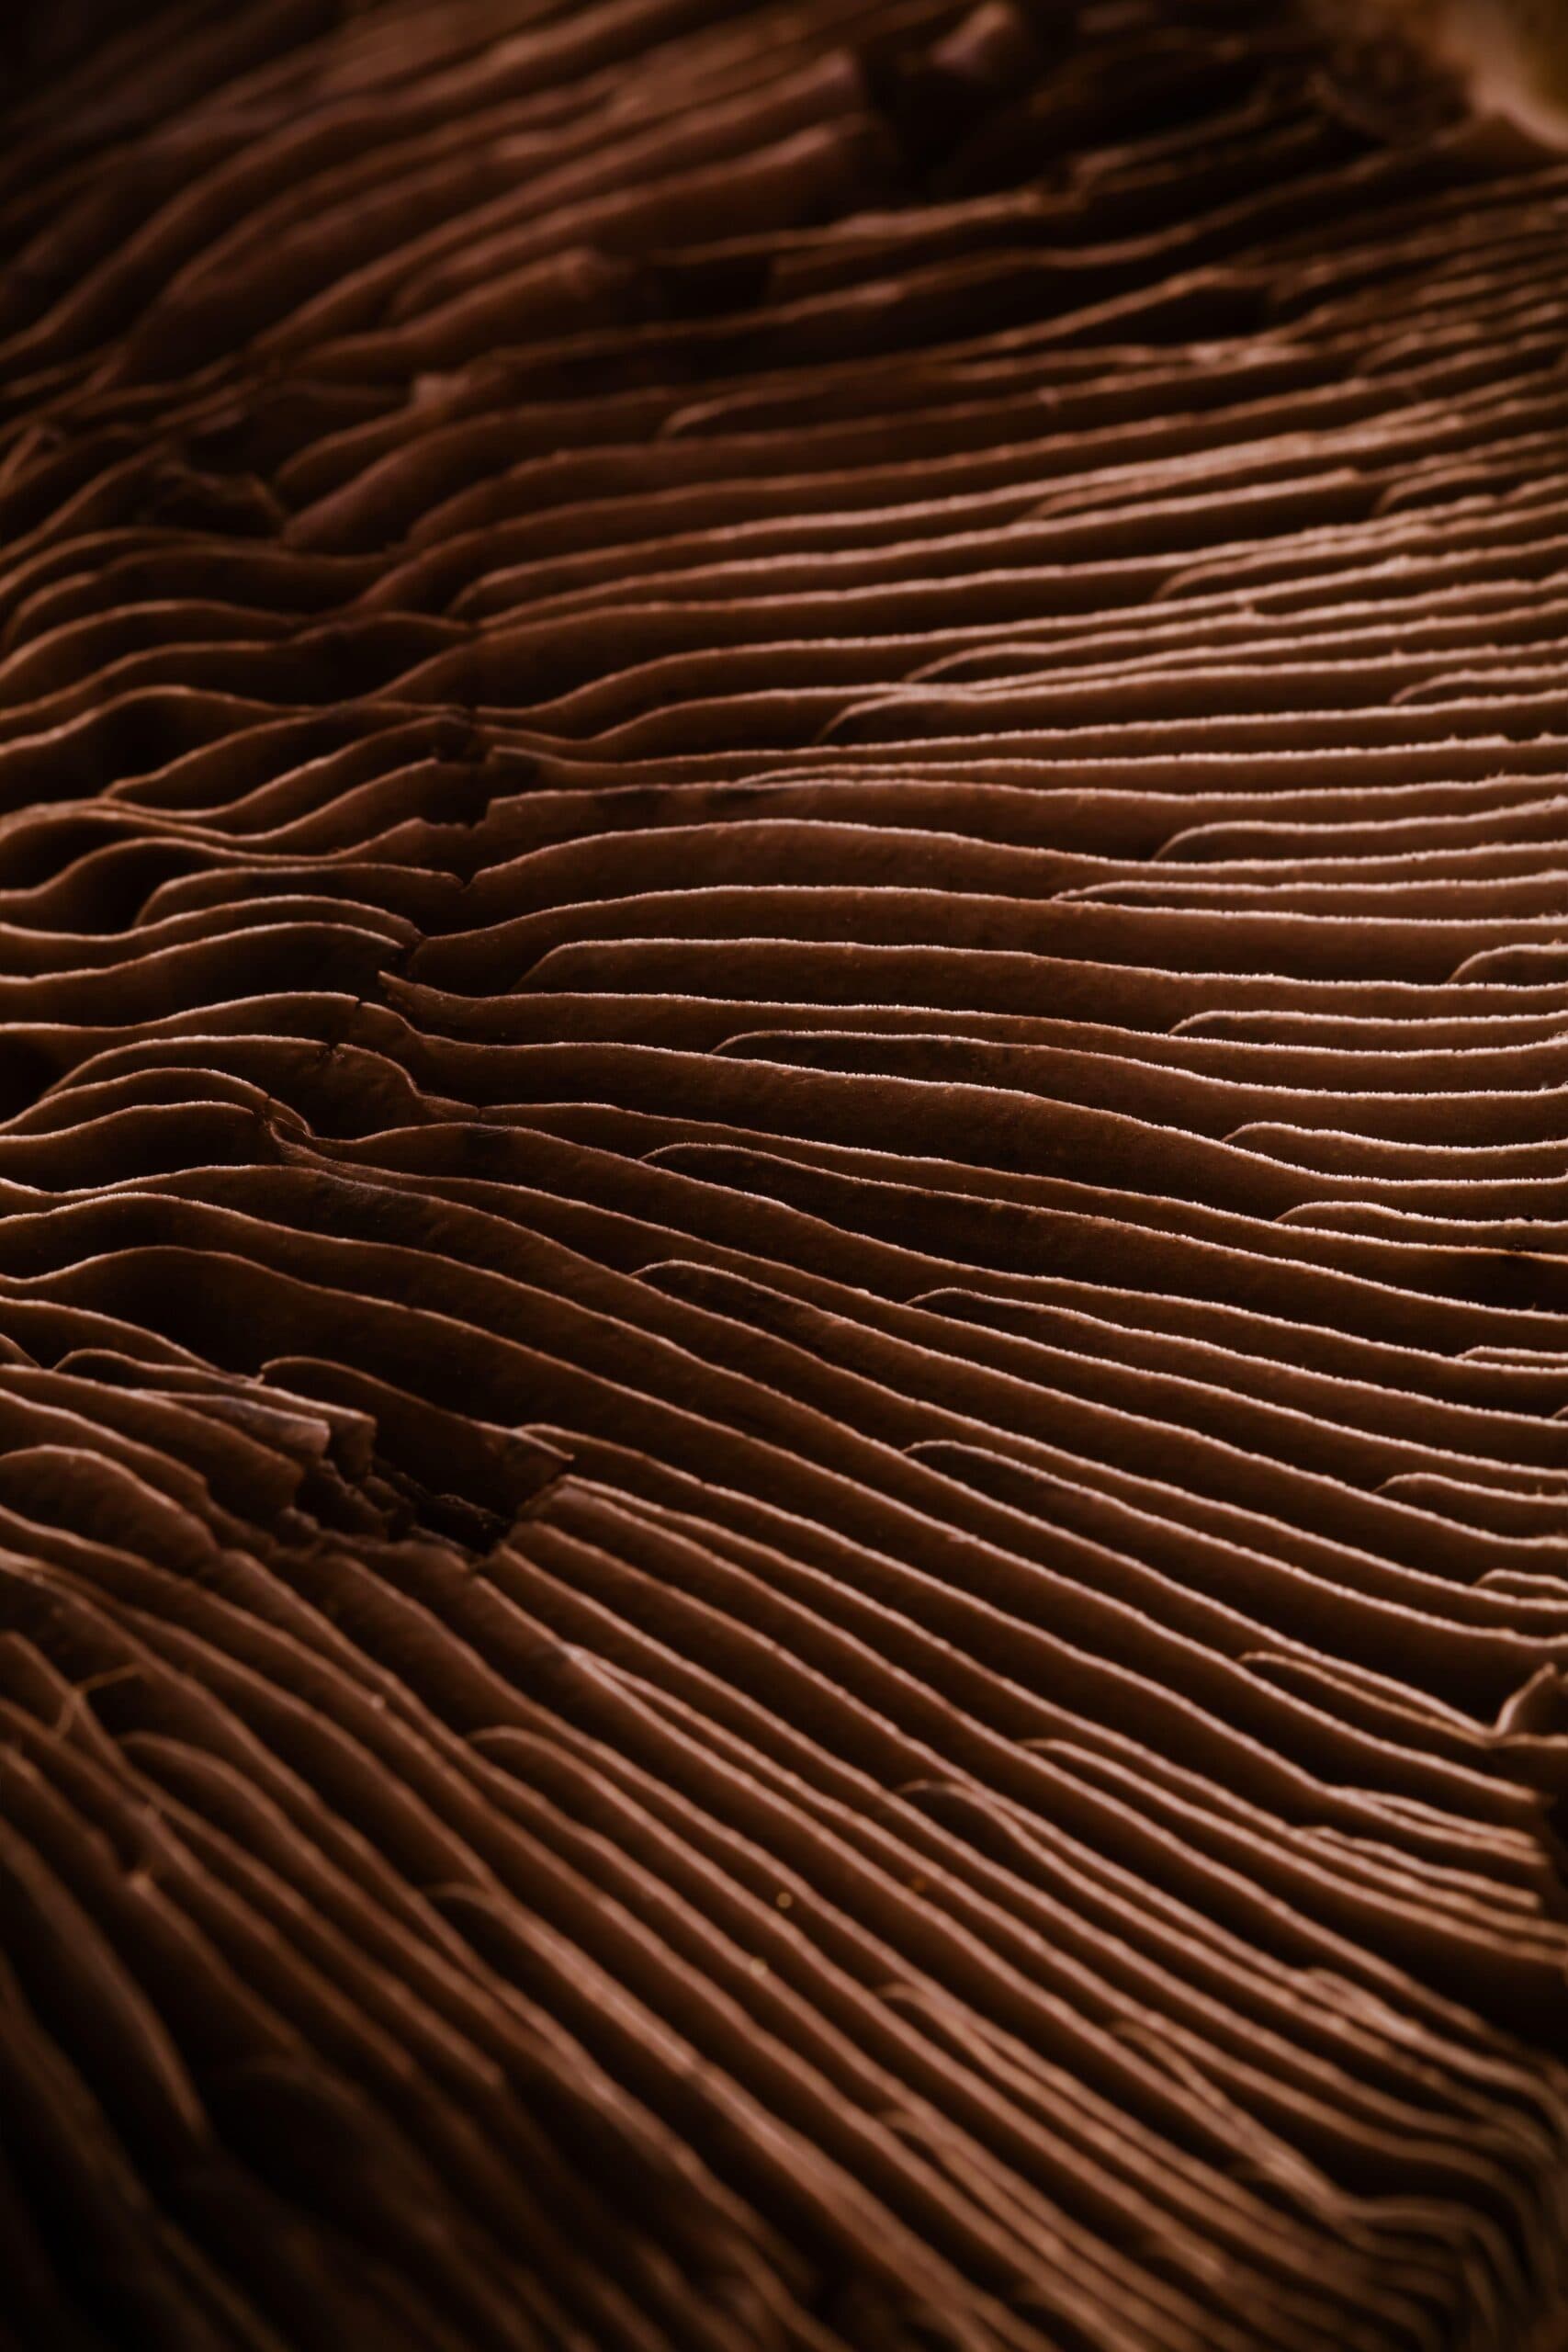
pixel 783 1185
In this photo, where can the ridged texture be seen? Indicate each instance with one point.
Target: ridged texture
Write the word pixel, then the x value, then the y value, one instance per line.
pixel 784 933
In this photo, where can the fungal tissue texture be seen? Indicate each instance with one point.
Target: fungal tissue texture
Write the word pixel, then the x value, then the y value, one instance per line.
pixel 783 1177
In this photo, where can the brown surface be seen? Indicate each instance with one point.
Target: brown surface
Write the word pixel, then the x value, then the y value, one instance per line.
pixel 784 927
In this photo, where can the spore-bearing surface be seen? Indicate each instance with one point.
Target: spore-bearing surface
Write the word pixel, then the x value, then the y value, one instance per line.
pixel 783 1327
